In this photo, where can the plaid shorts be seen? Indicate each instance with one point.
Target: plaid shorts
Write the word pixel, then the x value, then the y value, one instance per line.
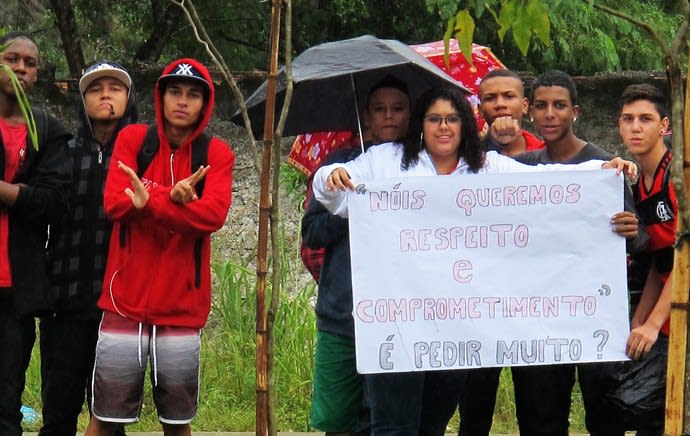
pixel 122 351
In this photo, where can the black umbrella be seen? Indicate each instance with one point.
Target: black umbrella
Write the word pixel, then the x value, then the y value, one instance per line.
pixel 327 77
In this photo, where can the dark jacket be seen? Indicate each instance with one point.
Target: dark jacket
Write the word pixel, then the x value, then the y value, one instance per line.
pixel 591 152
pixel 79 243
pixel 43 200
pixel 321 229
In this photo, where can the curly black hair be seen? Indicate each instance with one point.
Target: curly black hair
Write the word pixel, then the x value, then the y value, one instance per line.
pixel 471 148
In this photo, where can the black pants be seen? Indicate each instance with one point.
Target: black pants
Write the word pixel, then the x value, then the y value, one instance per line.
pixel 544 394
pixel 542 399
pixel 17 338
pixel 68 349
pixel 600 418
pixel 478 401
pixel 67 356
pixel 395 401
pixel 442 391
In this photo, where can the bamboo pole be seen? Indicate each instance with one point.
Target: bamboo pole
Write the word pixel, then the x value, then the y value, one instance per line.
pixel 262 395
pixel 677 421
pixel 677 350
pixel 276 286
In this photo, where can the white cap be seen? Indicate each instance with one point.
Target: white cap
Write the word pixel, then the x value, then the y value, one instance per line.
pixel 103 69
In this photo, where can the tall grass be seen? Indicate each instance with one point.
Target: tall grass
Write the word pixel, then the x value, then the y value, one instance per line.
pixel 227 391
pixel 231 361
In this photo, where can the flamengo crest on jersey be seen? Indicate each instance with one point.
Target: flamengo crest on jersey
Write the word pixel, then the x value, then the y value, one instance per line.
pixel 662 212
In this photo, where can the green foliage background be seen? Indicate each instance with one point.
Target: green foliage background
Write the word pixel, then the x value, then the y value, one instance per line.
pixel 584 41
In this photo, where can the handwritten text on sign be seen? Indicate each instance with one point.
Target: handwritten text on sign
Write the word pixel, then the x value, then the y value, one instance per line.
pixel 488 270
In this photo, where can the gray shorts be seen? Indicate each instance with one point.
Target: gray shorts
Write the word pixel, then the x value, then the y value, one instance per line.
pixel 123 349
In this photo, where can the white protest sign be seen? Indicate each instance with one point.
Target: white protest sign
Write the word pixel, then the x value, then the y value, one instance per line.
pixel 488 270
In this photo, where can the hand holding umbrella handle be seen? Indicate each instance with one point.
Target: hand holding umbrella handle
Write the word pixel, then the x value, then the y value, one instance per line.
pixel 339 179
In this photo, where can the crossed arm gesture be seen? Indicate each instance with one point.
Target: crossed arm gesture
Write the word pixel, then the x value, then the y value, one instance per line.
pixel 183 191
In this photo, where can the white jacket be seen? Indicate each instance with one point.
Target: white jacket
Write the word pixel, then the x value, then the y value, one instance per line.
pixel 383 161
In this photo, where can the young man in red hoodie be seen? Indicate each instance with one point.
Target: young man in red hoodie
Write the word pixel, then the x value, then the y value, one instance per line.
pixel 157 286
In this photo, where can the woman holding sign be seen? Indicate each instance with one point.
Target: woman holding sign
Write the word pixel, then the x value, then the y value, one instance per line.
pixel 442 140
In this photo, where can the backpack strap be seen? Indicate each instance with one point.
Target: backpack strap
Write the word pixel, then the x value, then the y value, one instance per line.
pixel 148 149
pixel 41 120
pixel 200 158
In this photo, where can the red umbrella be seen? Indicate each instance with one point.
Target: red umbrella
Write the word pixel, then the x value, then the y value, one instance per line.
pixel 309 150
pixel 483 61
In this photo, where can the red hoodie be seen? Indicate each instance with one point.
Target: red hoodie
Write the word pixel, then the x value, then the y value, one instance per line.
pixel 150 273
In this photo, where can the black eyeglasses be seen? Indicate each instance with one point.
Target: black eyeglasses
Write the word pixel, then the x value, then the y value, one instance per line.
pixel 437 119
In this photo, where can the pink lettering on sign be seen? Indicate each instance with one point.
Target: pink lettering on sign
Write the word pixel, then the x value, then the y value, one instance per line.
pixel 462 271
pixel 522 195
pixel 452 238
pixel 387 310
pixel 396 200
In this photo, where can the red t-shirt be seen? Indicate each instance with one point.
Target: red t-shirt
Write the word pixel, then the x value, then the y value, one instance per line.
pixel 14 141
pixel 532 142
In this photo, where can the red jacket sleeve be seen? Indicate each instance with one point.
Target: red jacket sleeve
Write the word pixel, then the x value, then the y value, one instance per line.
pixel 117 205
pixel 208 213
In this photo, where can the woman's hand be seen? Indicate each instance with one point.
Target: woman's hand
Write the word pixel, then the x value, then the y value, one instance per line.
pixel 627 167
pixel 339 179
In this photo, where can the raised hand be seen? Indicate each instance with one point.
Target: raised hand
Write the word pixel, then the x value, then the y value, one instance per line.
pixel 183 191
pixel 137 193
pixel 505 130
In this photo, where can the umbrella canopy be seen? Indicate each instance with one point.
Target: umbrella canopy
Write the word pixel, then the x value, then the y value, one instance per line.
pixel 327 77
pixel 309 150
pixel 483 61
